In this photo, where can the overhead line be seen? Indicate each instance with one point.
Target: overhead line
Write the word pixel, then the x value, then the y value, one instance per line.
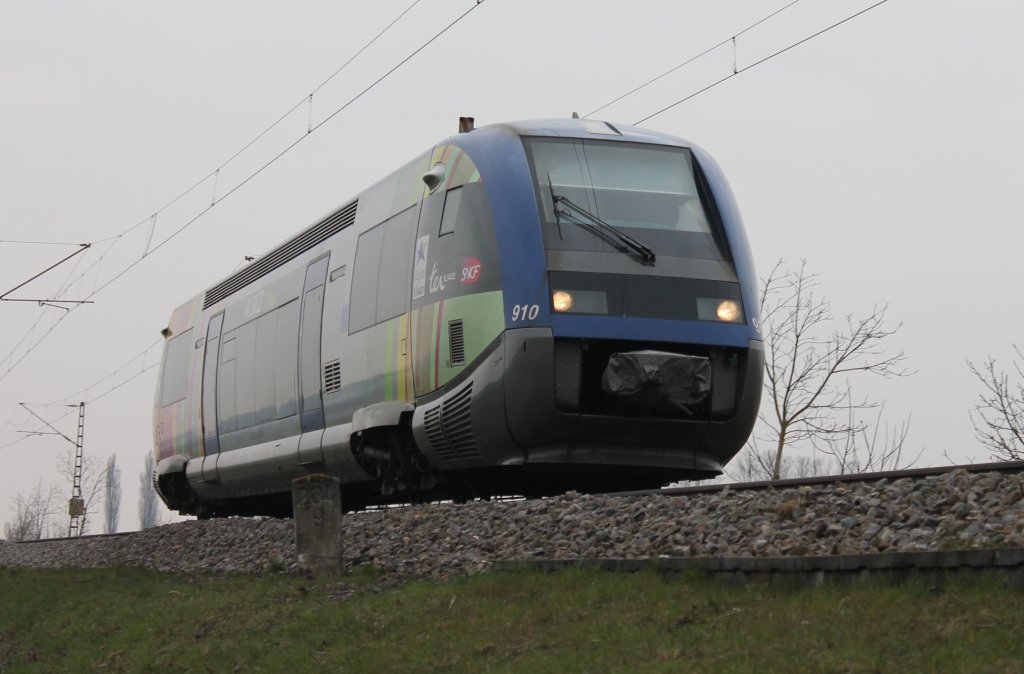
pixel 65 286
pixel 315 90
pixel 238 186
pixel 297 141
pixel 41 243
pixel 270 128
pixel 81 394
pixel 400 64
pixel 83 248
pixel 761 61
pixel 364 48
pixel 692 59
pixel 216 200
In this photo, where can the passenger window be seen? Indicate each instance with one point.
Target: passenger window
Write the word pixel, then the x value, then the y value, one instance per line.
pixel 309 348
pixel 176 366
pixel 265 394
pixel 451 210
pixel 245 375
pixel 393 280
pixel 226 383
pixel 286 345
pixel 363 302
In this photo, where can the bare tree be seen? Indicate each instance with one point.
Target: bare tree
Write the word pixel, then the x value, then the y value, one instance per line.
pixel 755 464
pixel 149 515
pixel 112 495
pixel 998 417
pixel 92 483
pixel 35 515
pixel 808 358
pixel 865 447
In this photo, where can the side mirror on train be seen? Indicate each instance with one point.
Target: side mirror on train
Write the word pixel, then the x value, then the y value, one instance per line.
pixel 435 176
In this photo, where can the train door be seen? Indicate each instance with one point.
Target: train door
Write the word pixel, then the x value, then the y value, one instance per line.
pixel 211 439
pixel 311 409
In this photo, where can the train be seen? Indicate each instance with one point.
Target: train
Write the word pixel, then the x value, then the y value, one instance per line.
pixel 523 309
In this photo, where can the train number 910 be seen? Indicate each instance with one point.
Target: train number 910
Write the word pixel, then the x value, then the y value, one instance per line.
pixel 525 312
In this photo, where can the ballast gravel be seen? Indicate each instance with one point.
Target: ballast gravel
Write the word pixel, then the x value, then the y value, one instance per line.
pixel 958 510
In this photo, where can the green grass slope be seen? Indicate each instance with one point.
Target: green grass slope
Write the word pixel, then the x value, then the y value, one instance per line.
pixel 128 620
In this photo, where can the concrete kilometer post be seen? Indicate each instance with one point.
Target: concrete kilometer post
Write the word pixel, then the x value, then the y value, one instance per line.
pixel 316 507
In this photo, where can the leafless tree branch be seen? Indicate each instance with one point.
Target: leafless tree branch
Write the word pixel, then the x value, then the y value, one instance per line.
pixel 998 416
pixel 35 515
pixel 807 365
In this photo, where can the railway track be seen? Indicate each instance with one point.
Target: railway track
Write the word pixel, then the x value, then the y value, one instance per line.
pixel 1004 467
pixel 83 537
pixel 816 568
pixel 900 522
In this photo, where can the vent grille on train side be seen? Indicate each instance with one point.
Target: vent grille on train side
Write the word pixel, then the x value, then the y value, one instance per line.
pixel 284 253
pixel 449 426
pixel 432 423
pixel 332 376
pixel 456 343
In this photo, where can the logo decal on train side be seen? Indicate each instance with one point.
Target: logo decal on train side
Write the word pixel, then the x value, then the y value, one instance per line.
pixel 419 268
pixel 254 305
pixel 438 281
pixel 471 269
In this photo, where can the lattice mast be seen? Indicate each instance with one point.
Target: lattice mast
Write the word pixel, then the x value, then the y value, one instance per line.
pixel 76 505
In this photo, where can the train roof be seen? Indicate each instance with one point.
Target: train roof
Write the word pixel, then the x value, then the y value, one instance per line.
pixel 583 128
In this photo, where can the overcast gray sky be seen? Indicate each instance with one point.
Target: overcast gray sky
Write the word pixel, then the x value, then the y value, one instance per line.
pixel 887 152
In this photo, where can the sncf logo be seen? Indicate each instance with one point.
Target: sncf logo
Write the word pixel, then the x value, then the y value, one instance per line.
pixel 471 268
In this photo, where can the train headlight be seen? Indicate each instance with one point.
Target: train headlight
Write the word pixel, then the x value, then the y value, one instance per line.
pixel 718 309
pixel 729 311
pixel 561 300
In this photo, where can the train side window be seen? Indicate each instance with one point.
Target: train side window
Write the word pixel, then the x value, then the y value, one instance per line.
pixel 451 210
pixel 309 351
pixel 176 366
pixel 266 333
pixel 227 383
pixel 286 350
pixel 245 379
pixel 394 278
pixel 363 301
pixel 211 436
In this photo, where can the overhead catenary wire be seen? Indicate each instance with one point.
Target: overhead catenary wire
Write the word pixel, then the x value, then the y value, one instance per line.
pixel 255 139
pixel 352 100
pixel 753 65
pixel 690 60
pixel 82 248
pixel 10 418
pixel 85 394
pixel 12 359
pixel 288 148
pixel 41 243
pixel 152 218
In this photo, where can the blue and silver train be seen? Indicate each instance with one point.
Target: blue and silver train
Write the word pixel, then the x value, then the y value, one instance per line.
pixel 523 309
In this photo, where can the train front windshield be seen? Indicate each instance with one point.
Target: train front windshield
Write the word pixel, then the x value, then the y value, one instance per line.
pixel 649 192
pixel 646 203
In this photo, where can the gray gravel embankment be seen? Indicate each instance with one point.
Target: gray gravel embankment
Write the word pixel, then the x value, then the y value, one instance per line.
pixel 958 510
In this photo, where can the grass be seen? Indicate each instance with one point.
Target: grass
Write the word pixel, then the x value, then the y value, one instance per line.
pixel 574 621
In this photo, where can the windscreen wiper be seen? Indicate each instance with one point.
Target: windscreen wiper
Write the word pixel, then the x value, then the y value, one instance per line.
pixel 600 228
